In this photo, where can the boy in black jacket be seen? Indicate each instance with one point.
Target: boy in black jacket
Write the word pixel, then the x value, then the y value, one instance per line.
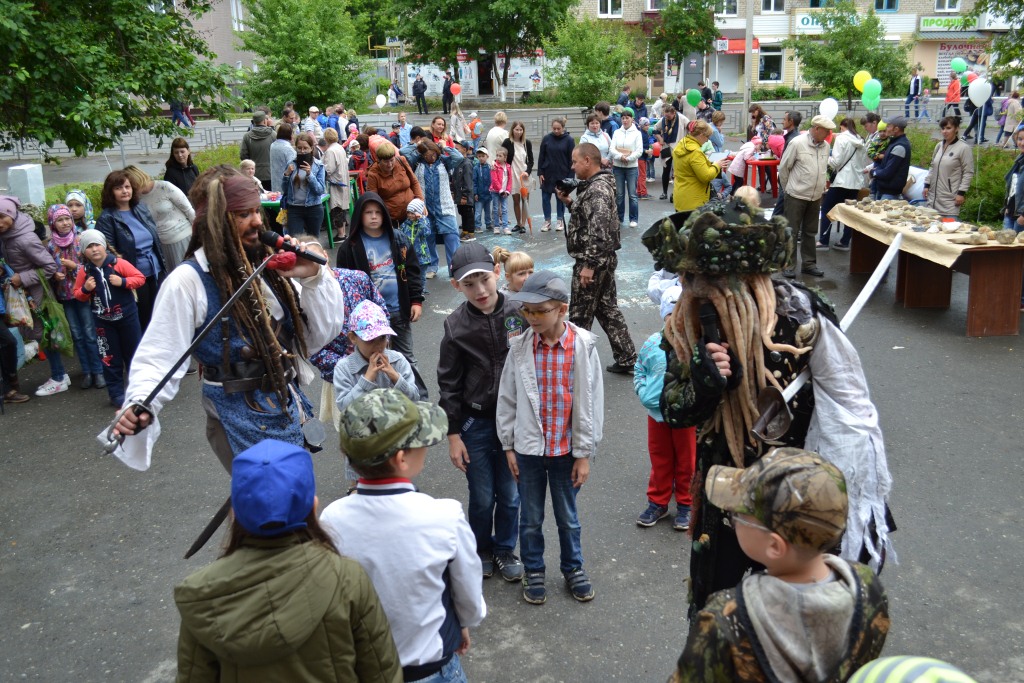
pixel 473 350
pixel 462 190
pixel 376 248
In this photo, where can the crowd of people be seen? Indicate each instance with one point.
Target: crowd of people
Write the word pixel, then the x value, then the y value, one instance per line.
pixel 386 583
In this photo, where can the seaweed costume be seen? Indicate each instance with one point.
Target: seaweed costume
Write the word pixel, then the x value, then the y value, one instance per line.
pixel 724 253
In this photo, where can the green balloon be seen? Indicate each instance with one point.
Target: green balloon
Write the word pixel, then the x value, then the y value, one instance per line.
pixel 958 65
pixel 964 82
pixel 693 97
pixel 873 88
pixel 870 103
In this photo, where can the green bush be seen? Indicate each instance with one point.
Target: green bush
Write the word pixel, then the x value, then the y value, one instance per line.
pixel 56 194
pixel 224 154
pixel 782 92
pixel 984 202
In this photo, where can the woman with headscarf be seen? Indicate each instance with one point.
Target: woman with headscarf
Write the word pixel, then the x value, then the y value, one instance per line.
pixel 171 210
pixel 251 378
pixel 81 209
pixel 30 261
pixel 181 171
pixel 130 230
pixel 693 172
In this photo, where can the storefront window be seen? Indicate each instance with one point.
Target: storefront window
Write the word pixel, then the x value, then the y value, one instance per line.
pixel 770 64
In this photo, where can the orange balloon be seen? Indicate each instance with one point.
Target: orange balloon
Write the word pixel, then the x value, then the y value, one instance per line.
pixel 456 88
pixel 656 149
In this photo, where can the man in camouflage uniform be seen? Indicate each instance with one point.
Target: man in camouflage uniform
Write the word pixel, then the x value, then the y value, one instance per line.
pixel 592 238
pixel 811 616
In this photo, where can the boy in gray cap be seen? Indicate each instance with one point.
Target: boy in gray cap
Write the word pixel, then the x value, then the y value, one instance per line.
pixel 419 551
pixel 550 418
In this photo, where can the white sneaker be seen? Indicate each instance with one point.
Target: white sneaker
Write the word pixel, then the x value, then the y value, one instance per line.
pixel 632 224
pixel 560 226
pixel 52 386
pixel 547 226
pixel 497 231
pixel 507 231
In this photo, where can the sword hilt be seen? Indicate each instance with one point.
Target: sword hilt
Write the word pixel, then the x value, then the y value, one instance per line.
pixel 111 440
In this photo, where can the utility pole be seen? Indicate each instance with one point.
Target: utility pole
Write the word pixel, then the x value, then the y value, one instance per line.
pixel 748 62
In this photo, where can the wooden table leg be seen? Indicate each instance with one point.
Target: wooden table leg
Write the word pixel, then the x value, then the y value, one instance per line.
pixel 923 284
pixel 993 296
pixel 865 253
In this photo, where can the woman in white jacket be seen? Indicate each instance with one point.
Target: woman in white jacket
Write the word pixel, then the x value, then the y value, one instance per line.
pixel 849 156
pixel 626 148
pixel 597 137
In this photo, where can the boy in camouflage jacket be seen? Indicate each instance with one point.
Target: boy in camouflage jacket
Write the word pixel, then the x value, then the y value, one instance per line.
pixel 809 616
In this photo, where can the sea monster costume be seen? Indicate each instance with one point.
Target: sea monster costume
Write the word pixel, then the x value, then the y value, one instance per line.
pixel 724 253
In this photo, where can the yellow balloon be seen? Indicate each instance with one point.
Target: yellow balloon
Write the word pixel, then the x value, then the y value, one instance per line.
pixel 860 78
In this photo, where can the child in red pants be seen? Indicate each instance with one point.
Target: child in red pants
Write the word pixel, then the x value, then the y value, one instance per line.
pixel 673 451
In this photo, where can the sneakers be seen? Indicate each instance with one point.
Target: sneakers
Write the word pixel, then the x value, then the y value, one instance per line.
pixel 789 272
pixel 841 247
pixel 812 270
pixel 534 591
pixel 547 226
pixel 579 585
pixel 651 515
pixel 431 274
pixel 467 237
pixel 87 381
pixel 632 224
pixel 506 231
pixel 509 566
pixel 620 369
pixel 52 386
pixel 560 226
pixel 497 231
pixel 663 196
pixel 488 565
pixel 100 382
pixel 519 229
pixel 682 520
pixel 820 247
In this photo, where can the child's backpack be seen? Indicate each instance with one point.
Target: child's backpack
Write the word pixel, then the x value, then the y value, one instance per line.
pixel 418 232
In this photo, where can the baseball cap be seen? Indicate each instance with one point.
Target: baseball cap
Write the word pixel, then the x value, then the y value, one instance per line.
pixel 795 493
pixel 90 237
pixel 312 109
pixel 396 124
pixel 483 150
pixel 471 257
pixel 272 488
pixel 628 111
pixel 467 144
pixel 824 122
pixel 379 424
pixel 900 122
pixel 542 286
pixel 369 321
pixel 472 114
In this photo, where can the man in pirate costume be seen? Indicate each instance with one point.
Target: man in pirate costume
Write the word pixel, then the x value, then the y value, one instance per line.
pixel 735 331
pixel 251 362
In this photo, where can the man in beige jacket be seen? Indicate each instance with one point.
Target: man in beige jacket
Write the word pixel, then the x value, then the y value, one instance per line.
pixel 802 176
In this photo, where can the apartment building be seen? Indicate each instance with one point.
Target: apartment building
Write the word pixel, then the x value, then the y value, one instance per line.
pixel 933 26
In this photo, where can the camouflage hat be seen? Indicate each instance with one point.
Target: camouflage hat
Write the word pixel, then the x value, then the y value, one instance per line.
pixel 379 424
pixel 795 493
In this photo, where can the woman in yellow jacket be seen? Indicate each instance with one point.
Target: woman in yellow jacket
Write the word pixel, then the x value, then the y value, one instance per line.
pixel 693 172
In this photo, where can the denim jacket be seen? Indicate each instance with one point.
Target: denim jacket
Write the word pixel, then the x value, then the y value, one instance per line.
pixel 317 187
pixel 481 179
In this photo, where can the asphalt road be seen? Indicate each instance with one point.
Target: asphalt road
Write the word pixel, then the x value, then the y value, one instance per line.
pixel 91 549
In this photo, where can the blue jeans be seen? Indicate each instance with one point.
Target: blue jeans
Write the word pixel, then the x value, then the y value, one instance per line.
pixel 450 673
pixel 625 183
pixel 305 219
pixel 537 473
pixel 83 332
pixel 179 117
pixel 57 370
pixel 500 208
pixel 451 243
pixel 484 219
pixel 906 106
pixel 545 202
pixel 1010 223
pixel 493 497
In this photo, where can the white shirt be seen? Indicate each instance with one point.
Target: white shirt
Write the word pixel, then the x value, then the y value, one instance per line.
pixel 407 542
pixel 179 311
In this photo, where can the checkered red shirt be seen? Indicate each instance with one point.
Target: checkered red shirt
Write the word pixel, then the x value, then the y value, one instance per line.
pixel 555 370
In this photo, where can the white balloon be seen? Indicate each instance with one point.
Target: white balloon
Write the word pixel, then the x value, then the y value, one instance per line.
pixel 979 91
pixel 381 100
pixel 828 107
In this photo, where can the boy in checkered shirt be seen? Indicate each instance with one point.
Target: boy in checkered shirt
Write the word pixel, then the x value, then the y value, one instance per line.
pixel 550 419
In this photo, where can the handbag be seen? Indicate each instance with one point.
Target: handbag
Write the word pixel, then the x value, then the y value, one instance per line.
pixel 56 331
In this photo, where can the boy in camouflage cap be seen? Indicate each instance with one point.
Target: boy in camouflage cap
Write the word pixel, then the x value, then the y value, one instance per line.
pixel 419 551
pixel 809 616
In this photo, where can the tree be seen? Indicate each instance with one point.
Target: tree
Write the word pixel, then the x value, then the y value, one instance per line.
pixel 685 27
pixel 850 42
pixel 593 58
pixel 87 72
pixel 306 52
pixel 1008 47
pixel 435 30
